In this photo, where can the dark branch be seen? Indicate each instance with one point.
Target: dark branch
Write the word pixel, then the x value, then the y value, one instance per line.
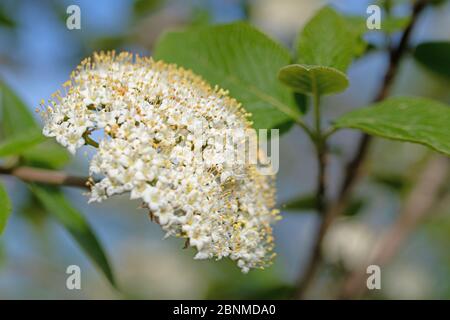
pixel 354 167
pixel 417 207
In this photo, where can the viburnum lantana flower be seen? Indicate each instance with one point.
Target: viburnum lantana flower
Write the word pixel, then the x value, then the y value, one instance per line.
pixel 149 114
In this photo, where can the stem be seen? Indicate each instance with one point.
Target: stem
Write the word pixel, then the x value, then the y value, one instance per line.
pixel 321 157
pixel 89 141
pixel 321 152
pixel 317 117
pixel 30 174
pixel 417 207
pixel 354 167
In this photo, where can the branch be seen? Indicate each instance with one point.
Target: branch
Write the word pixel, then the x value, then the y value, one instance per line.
pixel 321 151
pixel 417 207
pixel 30 174
pixel 354 167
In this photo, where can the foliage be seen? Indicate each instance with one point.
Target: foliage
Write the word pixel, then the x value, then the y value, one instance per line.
pixel 434 56
pixel 417 120
pixel 23 139
pixel 328 40
pixel 241 59
pixel 310 79
pixel 273 84
pixel 5 207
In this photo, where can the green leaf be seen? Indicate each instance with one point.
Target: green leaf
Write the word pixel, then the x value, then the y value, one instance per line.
pixel 328 40
pixel 108 42
pixel 302 102
pixel 308 79
pixel 438 2
pixel 48 154
pixel 5 19
pixel 23 135
pixel 394 24
pixel 355 206
pixel 302 203
pixel 308 203
pixel 16 117
pixel 143 7
pixel 395 182
pixel 388 24
pixel 435 56
pixel 416 120
pixel 239 58
pixel 73 221
pixel 5 207
pixel 32 210
pixel 21 142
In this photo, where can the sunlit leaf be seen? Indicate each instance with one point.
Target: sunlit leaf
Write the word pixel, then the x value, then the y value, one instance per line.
pixel 328 40
pixel 411 119
pixel 311 79
pixel 388 24
pixel 48 154
pixel 20 142
pixel 241 59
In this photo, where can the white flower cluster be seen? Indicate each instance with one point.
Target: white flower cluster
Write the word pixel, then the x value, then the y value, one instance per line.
pixel 149 113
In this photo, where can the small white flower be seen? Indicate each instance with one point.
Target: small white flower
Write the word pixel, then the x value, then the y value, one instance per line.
pixel 162 128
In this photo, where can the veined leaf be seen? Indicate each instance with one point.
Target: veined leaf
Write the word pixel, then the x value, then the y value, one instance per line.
pixel 74 222
pixel 21 142
pixel 328 40
pixel 416 120
pixel 435 56
pixel 309 79
pixel 239 58
pixel 5 207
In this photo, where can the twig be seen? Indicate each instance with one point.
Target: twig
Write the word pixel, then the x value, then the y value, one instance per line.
pixel 354 167
pixel 417 206
pixel 30 174
pixel 321 151
pixel 89 141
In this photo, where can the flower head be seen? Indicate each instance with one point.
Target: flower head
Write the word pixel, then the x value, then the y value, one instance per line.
pixel 159 126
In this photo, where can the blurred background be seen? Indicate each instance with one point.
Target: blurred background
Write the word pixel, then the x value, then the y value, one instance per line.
pixel 37 54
